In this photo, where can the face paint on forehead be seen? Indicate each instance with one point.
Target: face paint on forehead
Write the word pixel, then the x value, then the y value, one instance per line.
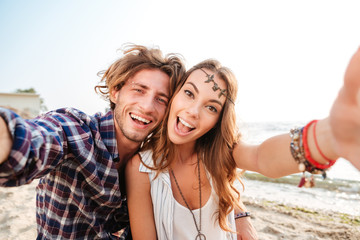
pixel 215 87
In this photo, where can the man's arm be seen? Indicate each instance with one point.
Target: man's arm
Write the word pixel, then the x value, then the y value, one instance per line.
pixel 38 146
pixel 5 141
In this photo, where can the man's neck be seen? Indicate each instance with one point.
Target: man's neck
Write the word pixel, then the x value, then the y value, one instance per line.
pixel 124 157
pixel 126 149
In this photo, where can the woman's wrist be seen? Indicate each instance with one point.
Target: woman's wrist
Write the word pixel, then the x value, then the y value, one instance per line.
pixel 241 215
pixel 320 142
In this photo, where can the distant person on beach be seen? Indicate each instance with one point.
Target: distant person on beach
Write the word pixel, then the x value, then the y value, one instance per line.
pixel 181 185
pixel 80 159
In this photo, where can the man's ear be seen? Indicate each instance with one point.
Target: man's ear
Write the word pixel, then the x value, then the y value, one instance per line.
pixel 114 95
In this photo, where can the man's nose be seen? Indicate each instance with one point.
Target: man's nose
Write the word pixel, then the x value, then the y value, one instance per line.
pixel 148 104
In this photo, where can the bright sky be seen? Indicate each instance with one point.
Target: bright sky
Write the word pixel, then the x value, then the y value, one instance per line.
pixel 289 56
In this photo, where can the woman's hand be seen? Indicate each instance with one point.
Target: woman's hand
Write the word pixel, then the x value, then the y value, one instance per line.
pixel 345 114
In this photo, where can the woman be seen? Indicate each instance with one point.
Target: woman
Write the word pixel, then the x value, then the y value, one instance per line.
pixel 186 176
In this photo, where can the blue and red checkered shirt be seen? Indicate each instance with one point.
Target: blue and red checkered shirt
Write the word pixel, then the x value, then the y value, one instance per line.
pixel 75 155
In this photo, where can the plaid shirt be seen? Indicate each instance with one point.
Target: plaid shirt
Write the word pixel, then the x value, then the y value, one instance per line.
pixel 78 195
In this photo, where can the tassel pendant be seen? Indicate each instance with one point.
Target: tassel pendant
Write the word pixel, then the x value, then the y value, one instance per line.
pixel 309 182
pixel 306 182
pixel 302 180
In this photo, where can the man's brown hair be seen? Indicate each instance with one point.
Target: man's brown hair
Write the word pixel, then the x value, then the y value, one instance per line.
pixel 135 59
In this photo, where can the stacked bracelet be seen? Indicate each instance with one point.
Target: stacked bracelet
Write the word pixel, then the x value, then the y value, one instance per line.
pixel 298 153
pixel 241 215
pixel 301 153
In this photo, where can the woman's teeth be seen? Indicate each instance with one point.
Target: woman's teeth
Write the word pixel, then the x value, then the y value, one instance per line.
pixel 185 123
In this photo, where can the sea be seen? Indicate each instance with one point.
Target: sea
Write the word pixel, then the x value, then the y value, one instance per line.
pixel 339 191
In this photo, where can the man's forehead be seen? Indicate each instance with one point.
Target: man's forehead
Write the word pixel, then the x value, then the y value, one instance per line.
pixel 153 79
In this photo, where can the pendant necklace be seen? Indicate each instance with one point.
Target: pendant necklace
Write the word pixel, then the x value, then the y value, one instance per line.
pixel 199 236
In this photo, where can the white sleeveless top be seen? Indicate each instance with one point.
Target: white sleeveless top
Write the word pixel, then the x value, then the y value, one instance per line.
pixel 174 221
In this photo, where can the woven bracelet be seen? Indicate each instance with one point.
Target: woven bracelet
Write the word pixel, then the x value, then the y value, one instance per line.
pixel 242 214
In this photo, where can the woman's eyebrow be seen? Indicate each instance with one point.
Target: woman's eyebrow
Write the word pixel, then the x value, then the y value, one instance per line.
pixel 194 86
pixel 197 91
pixel 216 101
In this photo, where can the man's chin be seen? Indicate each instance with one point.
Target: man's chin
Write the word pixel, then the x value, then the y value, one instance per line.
pixel 135 137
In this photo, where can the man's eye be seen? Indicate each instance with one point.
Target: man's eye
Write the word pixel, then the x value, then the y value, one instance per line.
pixel 162 100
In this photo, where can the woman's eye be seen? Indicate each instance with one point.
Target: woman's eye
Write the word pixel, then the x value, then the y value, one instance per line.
pixel 188 93
pixel 213 109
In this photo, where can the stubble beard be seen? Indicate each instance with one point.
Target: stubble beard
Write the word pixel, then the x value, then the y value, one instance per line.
pixel 133 136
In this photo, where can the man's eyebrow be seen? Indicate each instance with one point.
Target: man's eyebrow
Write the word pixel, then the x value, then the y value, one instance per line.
pixel 197 91
pixel 147 87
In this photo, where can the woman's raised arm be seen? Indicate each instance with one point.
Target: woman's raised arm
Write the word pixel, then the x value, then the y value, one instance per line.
pixel 328 139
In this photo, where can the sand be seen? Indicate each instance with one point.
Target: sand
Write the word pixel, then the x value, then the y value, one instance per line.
pixel 276 221
pixel 271 220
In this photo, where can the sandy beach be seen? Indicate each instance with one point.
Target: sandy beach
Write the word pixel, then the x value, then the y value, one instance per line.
pixel 276 221
pixel 272 220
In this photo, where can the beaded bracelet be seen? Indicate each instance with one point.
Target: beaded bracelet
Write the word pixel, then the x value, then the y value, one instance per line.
pixel 241 215
pixel 297 150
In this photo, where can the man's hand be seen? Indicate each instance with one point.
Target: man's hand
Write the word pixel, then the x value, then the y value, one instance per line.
pixel 5 141
pixel 345 114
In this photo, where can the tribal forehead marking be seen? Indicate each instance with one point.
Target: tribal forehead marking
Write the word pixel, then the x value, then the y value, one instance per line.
pixel 216 86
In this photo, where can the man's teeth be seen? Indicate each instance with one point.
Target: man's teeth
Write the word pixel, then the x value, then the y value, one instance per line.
pixel 185 123
pixel 140 118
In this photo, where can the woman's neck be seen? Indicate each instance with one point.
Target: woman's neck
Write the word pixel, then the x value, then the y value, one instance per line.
pixel 185 156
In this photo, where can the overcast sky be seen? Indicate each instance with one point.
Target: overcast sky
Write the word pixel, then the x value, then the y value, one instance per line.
pixel 289 56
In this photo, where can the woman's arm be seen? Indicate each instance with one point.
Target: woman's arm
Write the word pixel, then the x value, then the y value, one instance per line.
pixel 273 158
pixel 337 136
pixel 140 207
pixel 244 227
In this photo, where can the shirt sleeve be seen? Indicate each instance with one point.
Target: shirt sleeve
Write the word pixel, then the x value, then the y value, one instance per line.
pixel 39 144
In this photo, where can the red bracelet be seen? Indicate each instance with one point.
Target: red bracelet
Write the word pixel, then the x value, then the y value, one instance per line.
pixel 307 150
pixel 331 162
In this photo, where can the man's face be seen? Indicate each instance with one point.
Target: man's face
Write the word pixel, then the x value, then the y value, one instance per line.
pixel 140 104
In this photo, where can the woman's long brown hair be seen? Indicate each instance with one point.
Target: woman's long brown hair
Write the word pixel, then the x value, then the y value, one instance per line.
pixel 214 148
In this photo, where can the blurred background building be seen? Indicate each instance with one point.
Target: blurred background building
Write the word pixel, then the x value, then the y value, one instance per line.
pixel 26 105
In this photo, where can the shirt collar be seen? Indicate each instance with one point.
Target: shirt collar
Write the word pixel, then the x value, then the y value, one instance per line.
pixel 107 132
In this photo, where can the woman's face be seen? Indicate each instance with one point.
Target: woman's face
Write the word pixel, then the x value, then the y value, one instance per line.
pixel 196 108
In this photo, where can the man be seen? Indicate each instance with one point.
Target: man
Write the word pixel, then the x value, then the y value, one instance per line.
pixel 79 157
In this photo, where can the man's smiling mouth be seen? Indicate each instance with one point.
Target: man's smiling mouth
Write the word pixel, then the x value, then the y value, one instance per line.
pixel 139 119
